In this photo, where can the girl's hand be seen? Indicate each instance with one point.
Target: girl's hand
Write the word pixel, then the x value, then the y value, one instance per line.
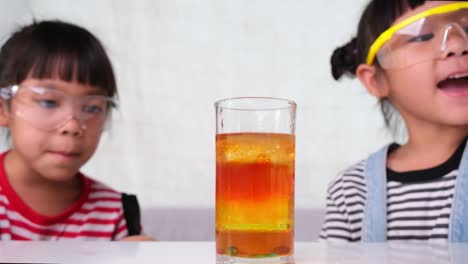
pixel 138 238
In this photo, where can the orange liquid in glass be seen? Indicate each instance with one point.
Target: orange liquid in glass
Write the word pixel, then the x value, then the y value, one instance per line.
pixel 255 194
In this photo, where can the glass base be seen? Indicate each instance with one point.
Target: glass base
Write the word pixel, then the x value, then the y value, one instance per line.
pixel 224 259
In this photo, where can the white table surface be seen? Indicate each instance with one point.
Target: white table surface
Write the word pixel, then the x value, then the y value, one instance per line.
pixel 204 252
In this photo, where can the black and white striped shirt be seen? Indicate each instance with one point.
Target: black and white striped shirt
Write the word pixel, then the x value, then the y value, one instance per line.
pixel 418 202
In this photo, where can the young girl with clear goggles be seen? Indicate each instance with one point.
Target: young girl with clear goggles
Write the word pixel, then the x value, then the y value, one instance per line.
pixel 57 92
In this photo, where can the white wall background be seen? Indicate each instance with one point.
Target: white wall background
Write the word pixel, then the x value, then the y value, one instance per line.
pixel 175 58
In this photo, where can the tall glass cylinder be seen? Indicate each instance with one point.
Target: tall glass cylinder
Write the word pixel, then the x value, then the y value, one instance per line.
pixel 255 156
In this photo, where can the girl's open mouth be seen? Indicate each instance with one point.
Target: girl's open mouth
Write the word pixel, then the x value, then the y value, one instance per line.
pixel 455 85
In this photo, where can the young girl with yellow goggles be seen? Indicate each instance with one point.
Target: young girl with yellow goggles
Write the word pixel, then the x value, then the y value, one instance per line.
pixel 412 55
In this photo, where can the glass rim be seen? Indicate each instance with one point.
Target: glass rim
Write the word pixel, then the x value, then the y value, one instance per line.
pixel 286 103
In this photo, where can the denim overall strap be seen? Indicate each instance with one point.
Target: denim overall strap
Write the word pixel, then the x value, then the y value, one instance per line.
pixel 458 227
pixel 374 225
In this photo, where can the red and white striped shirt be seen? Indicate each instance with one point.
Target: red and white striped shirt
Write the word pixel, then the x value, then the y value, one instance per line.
pixel 97 215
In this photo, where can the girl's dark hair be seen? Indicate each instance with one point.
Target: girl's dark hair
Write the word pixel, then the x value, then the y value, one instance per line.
pixel 55 49
pixel 378 16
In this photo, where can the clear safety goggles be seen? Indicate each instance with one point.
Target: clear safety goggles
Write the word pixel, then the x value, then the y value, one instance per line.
pixel 48 109
pixel 429 35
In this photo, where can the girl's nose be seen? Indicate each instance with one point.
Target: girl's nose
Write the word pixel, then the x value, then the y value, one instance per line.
pixel 454 42
pixel 72 127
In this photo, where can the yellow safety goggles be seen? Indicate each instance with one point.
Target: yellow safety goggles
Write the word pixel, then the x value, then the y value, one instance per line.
pixel 422 37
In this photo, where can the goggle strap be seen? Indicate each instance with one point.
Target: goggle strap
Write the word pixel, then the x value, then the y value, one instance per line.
pixel 8 92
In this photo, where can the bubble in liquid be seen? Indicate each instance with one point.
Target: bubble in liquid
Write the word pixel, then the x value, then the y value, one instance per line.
pixel 263 158
pixel 232 251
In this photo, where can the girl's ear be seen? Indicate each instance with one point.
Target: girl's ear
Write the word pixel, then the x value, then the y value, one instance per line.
pixel 368 76
pixel 4 120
